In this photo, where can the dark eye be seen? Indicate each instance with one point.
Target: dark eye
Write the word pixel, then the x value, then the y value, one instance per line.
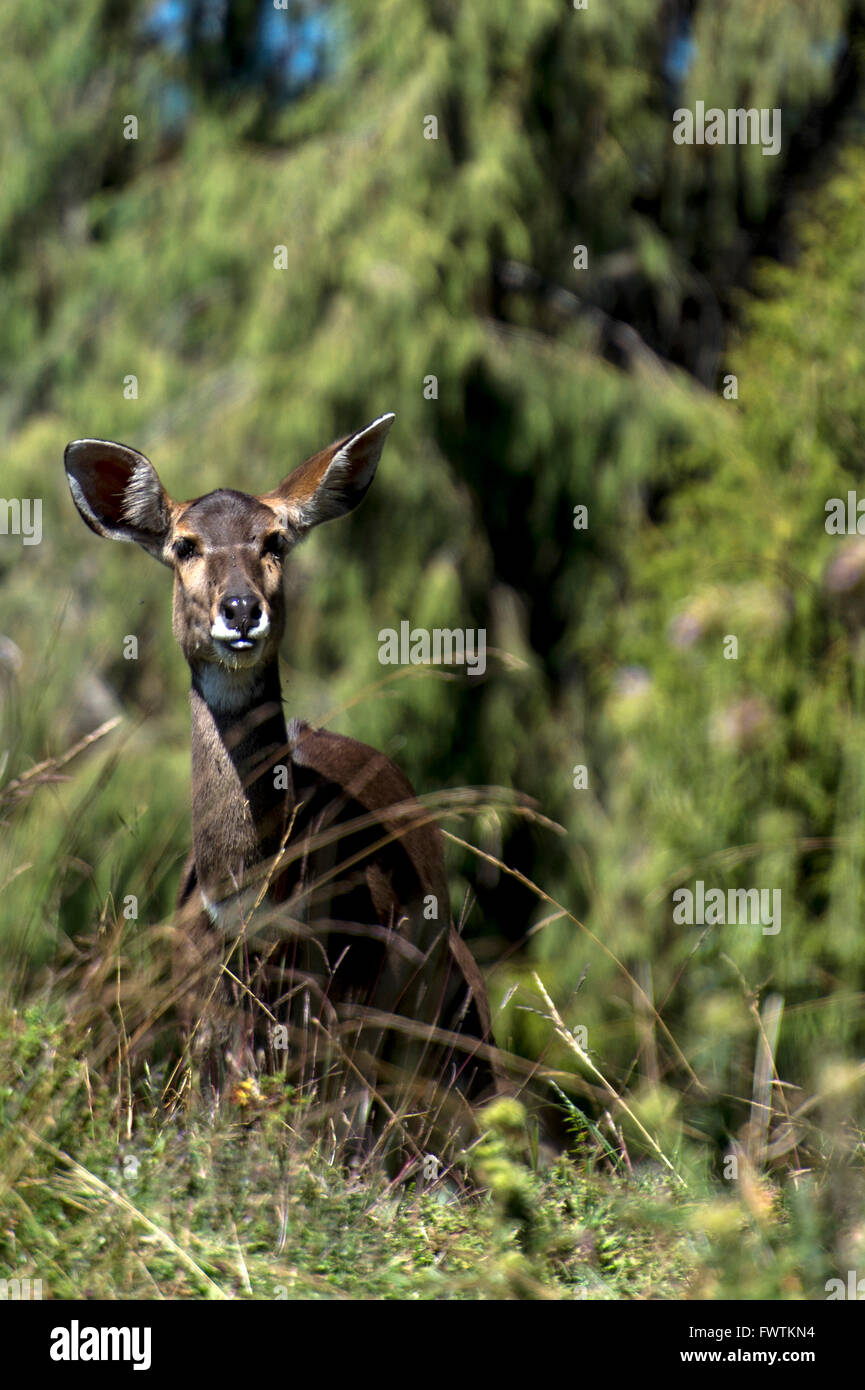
pixel 185 548
pixel 274 545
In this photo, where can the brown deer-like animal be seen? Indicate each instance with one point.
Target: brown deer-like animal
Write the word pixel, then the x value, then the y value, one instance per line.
pixel 313 927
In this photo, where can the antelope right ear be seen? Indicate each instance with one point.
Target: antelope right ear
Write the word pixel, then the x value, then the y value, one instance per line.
pixel 118 493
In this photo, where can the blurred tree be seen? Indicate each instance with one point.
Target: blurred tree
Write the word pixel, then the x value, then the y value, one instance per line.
pixel 330 211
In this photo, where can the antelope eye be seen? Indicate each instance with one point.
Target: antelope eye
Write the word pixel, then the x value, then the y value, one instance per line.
pixel 274 545
pixel 185 548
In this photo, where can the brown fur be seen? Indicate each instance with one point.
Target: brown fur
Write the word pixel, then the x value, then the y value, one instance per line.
pixel 315 876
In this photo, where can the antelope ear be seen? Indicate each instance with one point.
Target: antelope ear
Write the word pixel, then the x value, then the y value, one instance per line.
pixel 118 493
pixel 334 481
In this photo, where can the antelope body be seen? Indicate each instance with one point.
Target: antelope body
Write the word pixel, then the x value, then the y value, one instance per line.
pixel 315 877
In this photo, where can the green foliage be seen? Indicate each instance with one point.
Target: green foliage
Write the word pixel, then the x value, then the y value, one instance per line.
pixel 249 1208
pixel 405 258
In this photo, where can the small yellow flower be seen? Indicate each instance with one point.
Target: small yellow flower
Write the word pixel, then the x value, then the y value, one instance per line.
pixel 246 1092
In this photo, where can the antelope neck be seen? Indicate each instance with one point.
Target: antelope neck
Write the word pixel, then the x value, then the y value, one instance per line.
pixel 242 791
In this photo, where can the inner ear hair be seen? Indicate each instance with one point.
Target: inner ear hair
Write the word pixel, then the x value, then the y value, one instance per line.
pixel 118 492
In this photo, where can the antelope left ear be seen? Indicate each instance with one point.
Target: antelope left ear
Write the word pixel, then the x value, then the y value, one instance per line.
pixel 118 493
pixel 334 481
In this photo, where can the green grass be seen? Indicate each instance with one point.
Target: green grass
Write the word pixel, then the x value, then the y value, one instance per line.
pixel 106 1194
pixel 117 1182
pixel 248 1205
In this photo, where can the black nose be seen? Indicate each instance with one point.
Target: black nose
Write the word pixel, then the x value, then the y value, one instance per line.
pixel 240 611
